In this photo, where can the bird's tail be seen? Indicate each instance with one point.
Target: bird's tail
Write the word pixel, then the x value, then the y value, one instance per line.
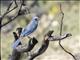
pixel 16 43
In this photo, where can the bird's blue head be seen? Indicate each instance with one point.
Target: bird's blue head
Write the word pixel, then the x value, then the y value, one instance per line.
pixel 35 18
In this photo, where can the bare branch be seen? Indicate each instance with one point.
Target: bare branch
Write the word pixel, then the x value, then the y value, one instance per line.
pixel 58 37
pixel 61 33
pixel 32 42
pixel 43 48
pixel 8 11
pixel 11 19
pixel 20 12
pixel 61 19
pixel 9 6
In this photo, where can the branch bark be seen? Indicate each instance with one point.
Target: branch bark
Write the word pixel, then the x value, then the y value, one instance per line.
pixel 8 11
pixel 32 42
pixel 61 34
pixel 48 37
pixel 20 12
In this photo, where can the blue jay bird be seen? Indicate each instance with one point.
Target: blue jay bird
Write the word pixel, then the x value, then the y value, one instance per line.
pixel 30 28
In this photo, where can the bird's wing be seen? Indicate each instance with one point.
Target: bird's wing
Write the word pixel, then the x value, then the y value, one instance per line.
pixel 30 28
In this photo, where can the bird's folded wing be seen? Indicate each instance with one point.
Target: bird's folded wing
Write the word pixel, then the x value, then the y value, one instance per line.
pixel 30 28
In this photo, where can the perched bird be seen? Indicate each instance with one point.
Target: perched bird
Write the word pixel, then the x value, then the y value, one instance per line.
pixel 31 27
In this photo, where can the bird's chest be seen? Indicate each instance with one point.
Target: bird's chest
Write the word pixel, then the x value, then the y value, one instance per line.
pixel 33 25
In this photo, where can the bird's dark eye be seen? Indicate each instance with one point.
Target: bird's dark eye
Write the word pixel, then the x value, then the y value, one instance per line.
pixel 36 19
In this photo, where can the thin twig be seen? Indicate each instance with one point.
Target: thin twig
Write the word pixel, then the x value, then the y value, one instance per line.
pixel 61 34
pixel 9 6
pixel 9 21
pixel 8 11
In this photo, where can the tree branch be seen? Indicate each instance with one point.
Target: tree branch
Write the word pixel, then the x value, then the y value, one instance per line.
pixel 61 33
pixel 11 19
pixel 20 12
pixel 32 42
pixel 8 11
pixel 43 48
pixel 57 37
